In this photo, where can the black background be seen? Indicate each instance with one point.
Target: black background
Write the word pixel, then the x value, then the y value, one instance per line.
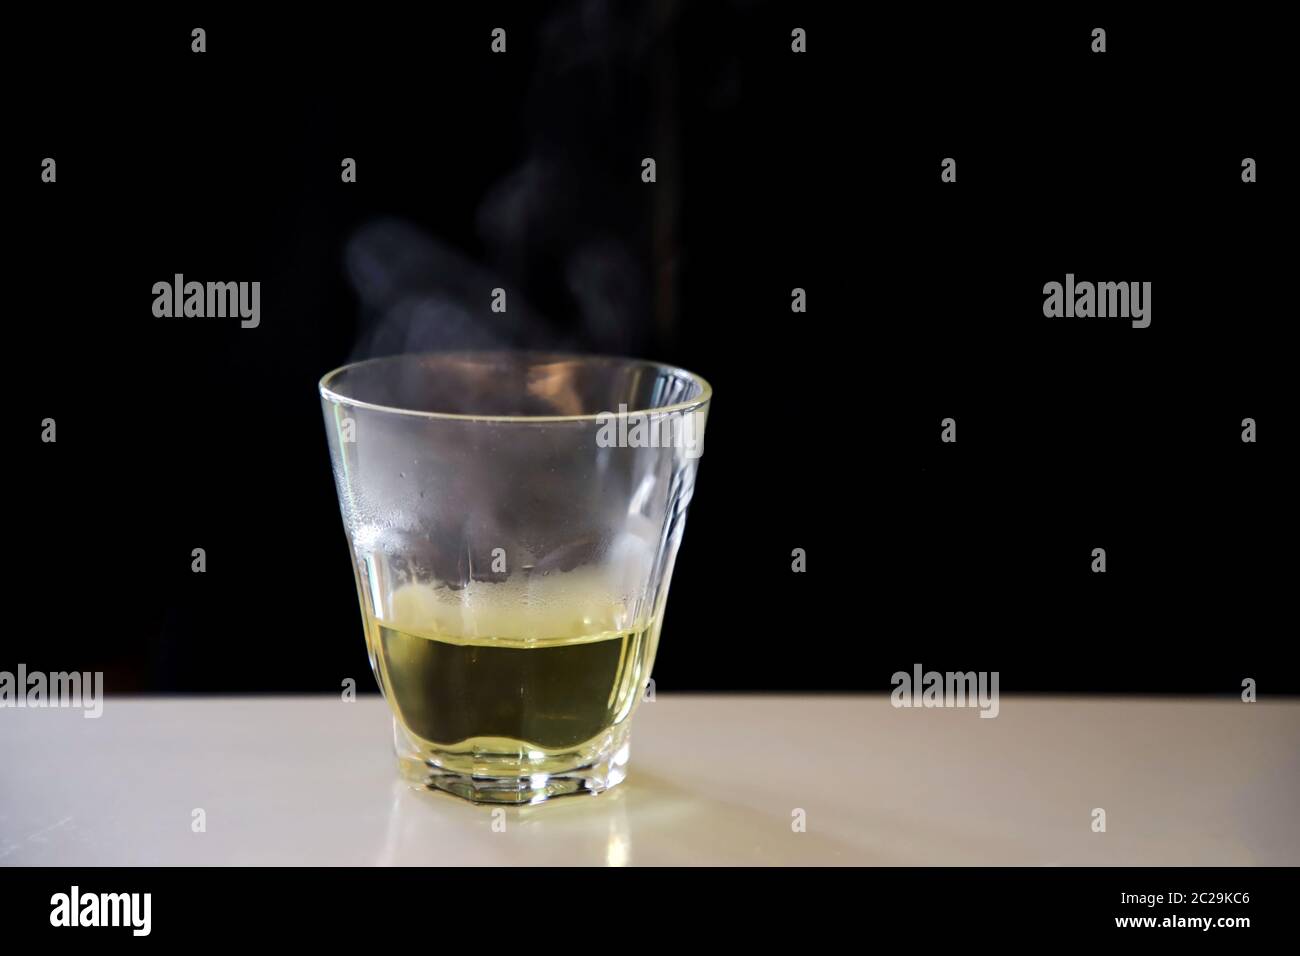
pixel 776 170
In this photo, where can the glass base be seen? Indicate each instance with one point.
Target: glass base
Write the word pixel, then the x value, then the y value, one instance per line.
pixel 495 771
pixel 516 790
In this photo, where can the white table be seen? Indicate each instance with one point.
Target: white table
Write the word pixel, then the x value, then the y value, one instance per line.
pixel 714 779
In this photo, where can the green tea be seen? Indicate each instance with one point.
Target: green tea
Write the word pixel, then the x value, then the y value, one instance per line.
pixel 496 679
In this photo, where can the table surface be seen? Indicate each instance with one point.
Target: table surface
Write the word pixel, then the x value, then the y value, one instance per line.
pixel 713 780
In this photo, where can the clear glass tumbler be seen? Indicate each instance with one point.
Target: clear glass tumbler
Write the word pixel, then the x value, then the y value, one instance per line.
pixel 513 520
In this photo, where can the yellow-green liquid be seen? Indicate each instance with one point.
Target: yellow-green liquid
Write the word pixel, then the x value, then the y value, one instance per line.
pixel 499 680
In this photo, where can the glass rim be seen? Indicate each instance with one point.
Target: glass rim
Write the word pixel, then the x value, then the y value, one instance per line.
pixel 330 394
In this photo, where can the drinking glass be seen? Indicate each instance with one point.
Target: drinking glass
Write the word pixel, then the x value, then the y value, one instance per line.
pixel 513 520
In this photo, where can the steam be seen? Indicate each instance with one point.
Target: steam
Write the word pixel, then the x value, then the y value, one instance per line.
pixel 568 223
pixel 419 295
